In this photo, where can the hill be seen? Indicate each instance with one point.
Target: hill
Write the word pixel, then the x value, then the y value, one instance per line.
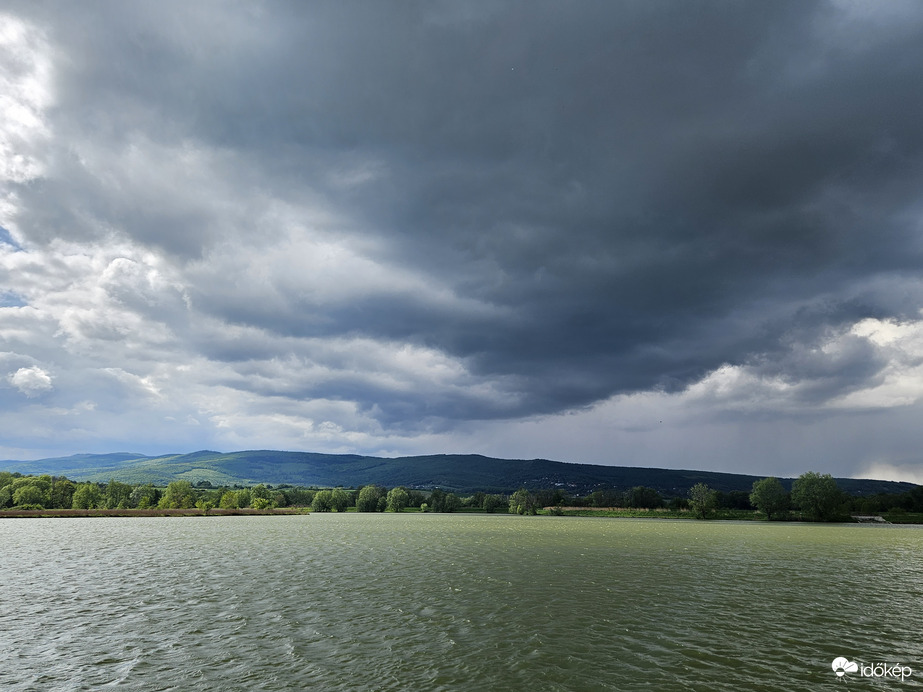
pixel 463 473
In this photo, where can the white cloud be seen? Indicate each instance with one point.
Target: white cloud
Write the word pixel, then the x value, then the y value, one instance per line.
pixel 31 381
pixel 900 383
pixel 909 473
pixel 25 76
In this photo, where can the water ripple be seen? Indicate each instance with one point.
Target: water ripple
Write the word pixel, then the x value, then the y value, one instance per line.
pixel 359 602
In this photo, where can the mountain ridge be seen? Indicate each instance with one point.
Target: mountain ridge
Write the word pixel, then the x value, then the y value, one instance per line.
pixel 458 472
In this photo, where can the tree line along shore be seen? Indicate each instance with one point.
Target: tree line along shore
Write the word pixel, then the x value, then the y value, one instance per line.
pixel 813 497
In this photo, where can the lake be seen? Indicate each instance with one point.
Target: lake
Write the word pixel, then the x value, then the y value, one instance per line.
pixel 451 602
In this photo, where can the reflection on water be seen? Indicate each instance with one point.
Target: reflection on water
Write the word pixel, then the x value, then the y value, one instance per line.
pixel 354 602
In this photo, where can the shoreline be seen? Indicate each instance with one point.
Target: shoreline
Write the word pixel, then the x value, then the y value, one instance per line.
pixel 607 513
pixel 150 512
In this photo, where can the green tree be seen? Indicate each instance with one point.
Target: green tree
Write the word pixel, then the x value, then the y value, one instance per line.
pixel 914 499
pixel 476 500
pixel 228 500
pixel 436 500
pixel 494 503
pixel 321 501
pixel 451 503
pixel 367 500
pixel 339 500
pixel 87 496
pixel 259 492
pixel 397 499
pixel 551 497
pixel 417 498
pixel 816 495
pixel 523 502
pixel 30 495
pixel 261 497
pixel 243 497
pixel 117 495
pixel 38 494
pixel 6 494
pixel 643 497
pixel 702 500
pixel 144 496
pixel 178 495
pixel 300 497
pixel 734 499
pixel 769 497
pixel 678 504
pixel 603 498
pixel 62 493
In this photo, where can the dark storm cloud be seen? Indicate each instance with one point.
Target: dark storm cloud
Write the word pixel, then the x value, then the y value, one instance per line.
pixel 637 193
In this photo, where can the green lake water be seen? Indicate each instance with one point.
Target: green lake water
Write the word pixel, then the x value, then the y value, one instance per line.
pixel 455 602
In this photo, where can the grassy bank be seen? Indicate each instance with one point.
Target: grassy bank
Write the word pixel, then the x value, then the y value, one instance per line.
pixel 721 514
pixel 625 512
pixel 903 517
pixel 155 512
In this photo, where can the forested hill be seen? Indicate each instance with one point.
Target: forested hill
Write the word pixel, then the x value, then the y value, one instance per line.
pixel 448 471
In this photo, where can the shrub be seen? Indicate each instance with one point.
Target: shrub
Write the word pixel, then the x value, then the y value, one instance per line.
pixel 261 503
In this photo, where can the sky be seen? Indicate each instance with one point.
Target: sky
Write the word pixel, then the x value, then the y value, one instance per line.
pixel 666 234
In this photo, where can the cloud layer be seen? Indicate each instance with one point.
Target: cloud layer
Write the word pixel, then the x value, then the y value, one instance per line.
pixel 443 227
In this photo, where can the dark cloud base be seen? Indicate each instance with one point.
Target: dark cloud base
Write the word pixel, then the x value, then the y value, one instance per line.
pixel 566 202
